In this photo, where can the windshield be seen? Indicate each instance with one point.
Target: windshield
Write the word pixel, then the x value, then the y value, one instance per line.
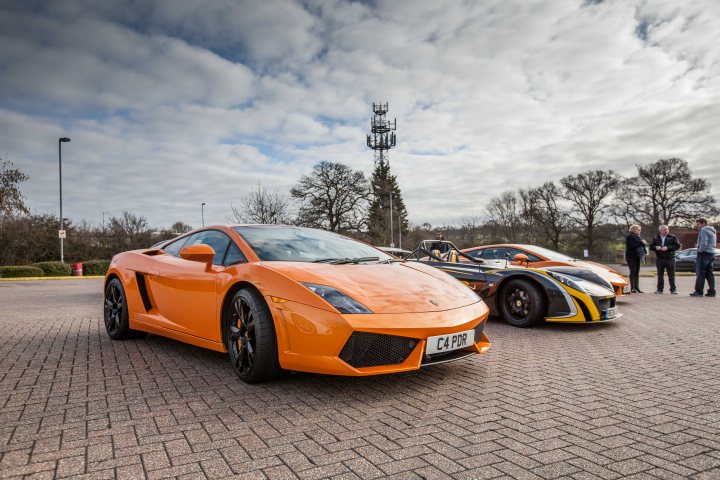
pixel 550 254
pixel 297 244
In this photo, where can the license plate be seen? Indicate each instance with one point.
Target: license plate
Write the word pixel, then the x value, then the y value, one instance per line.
pixel 450 342
pixel 611 312
pixel 626 289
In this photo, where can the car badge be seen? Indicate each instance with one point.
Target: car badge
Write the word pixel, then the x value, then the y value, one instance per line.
pixel 433 301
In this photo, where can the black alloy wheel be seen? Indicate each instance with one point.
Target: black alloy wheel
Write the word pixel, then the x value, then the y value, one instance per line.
pixel 522 304
pixel 115 312
pixel 250 334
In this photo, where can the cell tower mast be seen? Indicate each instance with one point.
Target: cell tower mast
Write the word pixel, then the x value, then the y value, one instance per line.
pixel 382 138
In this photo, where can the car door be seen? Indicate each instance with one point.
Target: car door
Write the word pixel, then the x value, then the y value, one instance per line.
pixel 185 290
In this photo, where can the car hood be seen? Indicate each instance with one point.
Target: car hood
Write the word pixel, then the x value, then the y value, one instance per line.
pixel 612 276
pixel 385 288
pixel 589 275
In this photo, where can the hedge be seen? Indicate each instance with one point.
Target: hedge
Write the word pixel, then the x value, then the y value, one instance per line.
pixel 95 267
pixel 54 269
pixel 21 271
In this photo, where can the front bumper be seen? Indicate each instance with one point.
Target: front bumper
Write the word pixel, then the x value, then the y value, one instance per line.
pixel 314 340
pixel 589 308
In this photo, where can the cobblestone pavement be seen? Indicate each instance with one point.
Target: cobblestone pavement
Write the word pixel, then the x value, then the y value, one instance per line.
pixel 635 398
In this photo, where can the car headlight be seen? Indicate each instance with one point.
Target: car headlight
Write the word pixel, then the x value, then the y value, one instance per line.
pixel 342 302
pixel 566 281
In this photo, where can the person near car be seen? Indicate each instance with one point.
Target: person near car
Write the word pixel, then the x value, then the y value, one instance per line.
pixel 664 246
pixel 634 254
pixel 438 243
pixel 704 263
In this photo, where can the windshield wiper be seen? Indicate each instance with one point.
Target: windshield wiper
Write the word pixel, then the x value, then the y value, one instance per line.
pixel 342 261
pixel 392 260
pixel 327 260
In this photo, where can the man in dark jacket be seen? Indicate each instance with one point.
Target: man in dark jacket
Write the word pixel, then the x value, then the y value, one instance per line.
pixel 438 244
pixel 664 246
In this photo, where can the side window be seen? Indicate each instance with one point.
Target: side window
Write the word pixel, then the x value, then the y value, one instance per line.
pixel 495 254
pixel 476 253
pixel 234 255
pixel 515 251
pixel 175 247
pixel 217 240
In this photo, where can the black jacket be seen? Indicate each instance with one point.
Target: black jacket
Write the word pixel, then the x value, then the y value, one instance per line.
pixel 443 247
pixel 633 243
pixel 671 242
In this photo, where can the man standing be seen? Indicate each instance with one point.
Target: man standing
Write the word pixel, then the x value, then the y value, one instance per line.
pixel 664 246
pixel 704 263
pixel 438 243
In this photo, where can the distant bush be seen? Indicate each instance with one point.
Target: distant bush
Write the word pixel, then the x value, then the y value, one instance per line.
pixel 54 269
pixel 95 267
pixel 21 271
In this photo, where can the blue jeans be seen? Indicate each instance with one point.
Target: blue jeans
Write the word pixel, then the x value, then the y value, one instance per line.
pixel 704 264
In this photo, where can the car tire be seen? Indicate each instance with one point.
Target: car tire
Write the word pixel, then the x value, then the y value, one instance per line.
pixel 250 337
pixel 522 304
pixel 115 312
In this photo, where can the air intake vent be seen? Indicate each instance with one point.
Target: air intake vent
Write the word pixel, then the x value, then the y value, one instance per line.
pixel 479 330
pixel 373 349
pixel 143 291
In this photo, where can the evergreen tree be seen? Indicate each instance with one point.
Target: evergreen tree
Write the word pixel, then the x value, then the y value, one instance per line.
pixel 383 183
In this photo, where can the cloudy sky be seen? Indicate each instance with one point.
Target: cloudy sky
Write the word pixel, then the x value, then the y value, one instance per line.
pixel 171 103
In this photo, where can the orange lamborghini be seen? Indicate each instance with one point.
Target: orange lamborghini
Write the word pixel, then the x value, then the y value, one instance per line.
pixel 283 297
pixel 538 257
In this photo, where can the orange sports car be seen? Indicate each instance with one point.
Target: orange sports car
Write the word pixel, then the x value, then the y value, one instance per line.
pixel 283 297
pixel 538 257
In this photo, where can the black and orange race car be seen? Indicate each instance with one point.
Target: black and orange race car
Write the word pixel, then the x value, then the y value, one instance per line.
pixel 525 296
pixel 538 257
pixel 283 297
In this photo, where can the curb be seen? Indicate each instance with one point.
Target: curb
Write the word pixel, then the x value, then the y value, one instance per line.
pixel 20 279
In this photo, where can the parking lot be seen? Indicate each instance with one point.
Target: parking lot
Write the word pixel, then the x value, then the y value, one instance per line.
pixel 635 398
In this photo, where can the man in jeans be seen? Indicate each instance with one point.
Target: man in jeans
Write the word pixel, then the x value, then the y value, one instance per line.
pixel 664 246
pixel 704 263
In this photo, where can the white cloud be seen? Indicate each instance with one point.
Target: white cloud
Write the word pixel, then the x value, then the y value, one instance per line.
pixel 172 103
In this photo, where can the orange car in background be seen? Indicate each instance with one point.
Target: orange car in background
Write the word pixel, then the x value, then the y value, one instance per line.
pixel 538 257
pixel 283 297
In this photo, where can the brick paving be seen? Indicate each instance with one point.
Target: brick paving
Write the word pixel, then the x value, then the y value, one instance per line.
pixel 636 398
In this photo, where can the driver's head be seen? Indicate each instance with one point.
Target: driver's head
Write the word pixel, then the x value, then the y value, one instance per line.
pixel 439 235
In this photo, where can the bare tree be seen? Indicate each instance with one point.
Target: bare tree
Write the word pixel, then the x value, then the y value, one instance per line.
pixel 531 216
pixel 664 192
pixel 180 227
pixel 129 231
pixel 469 234
pixel 262 206
pixel 552 217
pixel 589 194
pixel 504 216
pixel 333 197
pixel 11 200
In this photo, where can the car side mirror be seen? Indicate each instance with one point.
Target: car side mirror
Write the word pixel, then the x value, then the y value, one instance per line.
pixel 521 258
pixel 198 253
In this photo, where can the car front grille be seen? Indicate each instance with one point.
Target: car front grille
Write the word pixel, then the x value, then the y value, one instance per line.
pixel 603 304
pixel 365 349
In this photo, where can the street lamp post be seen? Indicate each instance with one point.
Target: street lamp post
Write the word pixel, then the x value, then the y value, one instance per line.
pixel 391 222
pixel 202 213
pixel 61 140
pixel 400 231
